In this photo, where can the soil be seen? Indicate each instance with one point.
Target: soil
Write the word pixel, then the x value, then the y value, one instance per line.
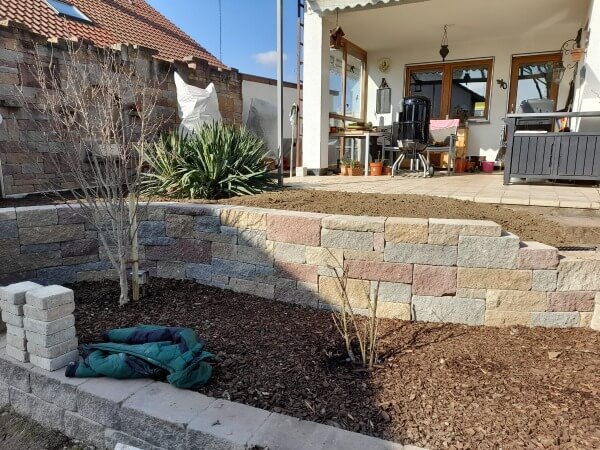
pixel 20 433
pixel 527 225
pixel 440 386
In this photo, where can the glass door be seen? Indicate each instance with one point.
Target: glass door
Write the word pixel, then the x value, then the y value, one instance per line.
pixel 532 86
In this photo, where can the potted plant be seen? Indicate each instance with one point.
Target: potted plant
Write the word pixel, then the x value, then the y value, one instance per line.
pixel 344 167
pixel 353 169
pixel 376 167
pixel 387 170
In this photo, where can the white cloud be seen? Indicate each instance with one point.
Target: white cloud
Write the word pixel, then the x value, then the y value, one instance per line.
pixel 268 58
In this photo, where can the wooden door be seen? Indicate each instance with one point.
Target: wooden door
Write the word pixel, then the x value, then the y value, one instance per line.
pixel 532 78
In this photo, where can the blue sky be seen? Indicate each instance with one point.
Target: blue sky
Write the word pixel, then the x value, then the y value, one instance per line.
pixel 249 31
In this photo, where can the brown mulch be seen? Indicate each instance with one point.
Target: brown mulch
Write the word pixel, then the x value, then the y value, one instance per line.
pixel 437 386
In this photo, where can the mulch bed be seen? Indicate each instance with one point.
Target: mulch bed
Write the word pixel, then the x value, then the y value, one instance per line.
pixel 437 386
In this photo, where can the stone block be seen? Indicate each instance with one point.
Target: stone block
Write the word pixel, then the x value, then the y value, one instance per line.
pixel 585 319
pixel 55 388
pixel 378 242
pixel 185 250
pixel 325 257
pixel 293 253
pixel 435 281
pixel 356 240
pixel 297 296
pixel 387 310
pixel 439 255
pixel 12 319
pixel 259 256
pixel 252 287
pixel 144 415
pixel 97 275
pixel 216 237
pixel 357 291
pixel 362 255
pixel 14 373
pixel 544 280
pixel 99 399
pixel 17 342
pixel 354 223
pixel 36 216
pixel 15 293
pixel 582 301
pixel 48 315
pixel 7 214
pixel 294 228
pixel 44 413
pixel 244 219
pixel 406 230
pixel 555 319
pixel 51 233
pixel 42 327
pixel 464 227
pixel 238 269
pixel 224 425
pixel 488 252
pixel 114 437
pixel 4 396
pixel 534 255
pixel 49 297
pixel 379 271
pixel 391 292
pixel 207 224
pixel 81 247
pixel 442 239
pixel 52 364
pixel 40 248
pixel 16 310
pixel 497 318
pixel 179 226
pixel 474 278
pixel 471 293
pixel 199 272
pixel 84 430
pixel 448 310
pixel 9 229
pixel 54 351
pixel 252 238
pixel 506 300
pixel 19 355
pixel 224 251
pixel 578 275
pixel 174 270
pixel 15 331
pixel 298 272
pixel 193 210
pixel 70 214
pixel 595 320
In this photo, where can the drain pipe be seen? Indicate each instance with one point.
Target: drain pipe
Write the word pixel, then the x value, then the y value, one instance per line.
pixel 280 90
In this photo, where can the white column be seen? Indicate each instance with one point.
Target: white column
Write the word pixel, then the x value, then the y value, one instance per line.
pixel 588 95
pixel 316 93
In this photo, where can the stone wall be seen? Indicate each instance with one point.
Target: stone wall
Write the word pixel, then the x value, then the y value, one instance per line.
pixel 435 270
pixel 25 166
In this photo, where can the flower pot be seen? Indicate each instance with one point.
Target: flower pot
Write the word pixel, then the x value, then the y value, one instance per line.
pixel 354 171
pixel 577 53
pixel 460 165
pixel 343 170
pixel 487 166
pixel 375 169
pixel 387 170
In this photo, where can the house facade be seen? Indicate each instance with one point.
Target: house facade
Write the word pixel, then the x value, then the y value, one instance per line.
pixel 501 53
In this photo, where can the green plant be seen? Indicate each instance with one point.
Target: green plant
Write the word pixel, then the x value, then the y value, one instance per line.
pixel 216 161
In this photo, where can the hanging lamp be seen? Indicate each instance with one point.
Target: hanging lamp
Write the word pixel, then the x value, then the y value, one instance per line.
pixel 444 50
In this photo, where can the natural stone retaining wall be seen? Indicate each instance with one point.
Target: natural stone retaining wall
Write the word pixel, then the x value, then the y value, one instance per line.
pixel 439 270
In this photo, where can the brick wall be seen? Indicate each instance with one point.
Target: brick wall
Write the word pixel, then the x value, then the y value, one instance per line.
pixel 24 147
pixel 434 270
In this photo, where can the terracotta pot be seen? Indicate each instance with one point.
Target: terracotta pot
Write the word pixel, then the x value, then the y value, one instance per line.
pixel 387 170
pixel 354 171
pixel 375 169
pixel 577 53
pixel 460 165
pixel 343 170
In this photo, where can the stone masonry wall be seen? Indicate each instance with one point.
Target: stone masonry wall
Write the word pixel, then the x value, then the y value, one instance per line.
pixel 435 270
pixel 25 166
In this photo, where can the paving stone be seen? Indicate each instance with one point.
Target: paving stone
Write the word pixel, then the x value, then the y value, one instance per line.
pixel 488 252
pixel 298 272
pixel 471 293
pixel 497 318
pixel 36 216
pixel 391 292
pixel 435 281
pixel 534 255
pixel 357 240
pixel 448 310
pixel 49 315
pixel 297 296
pixel 474 278
pixel 14 373
pixel 354 223
pixel 507 300
pixel 15 293
pixel 407 230
pixel 41 327
pixel 330 291
pixel 439 255
pixel 286 252
pixel 544 280
pixel 578 275
pixel 582 301
pixel 244 219
pixel 114 437
pixel 16 331
pixel 387 310
pixel 16 310
pixel 99 399
pixel 224 425
pixel 144 415
pixel 54 351
pixel 555 319
pixel 9 229
pixel 463 227
pixel 44 413
pixel 12 319
pixel 18 354
pixel 199 272
pixel 379 271
pixel 52 364
pixel 185 250
pixel 82 429
pixel 55 388
pixel 294 228
pixel 362 255
pixel 252 238
pixel 49 297
pixel 52 233
pixel 17 342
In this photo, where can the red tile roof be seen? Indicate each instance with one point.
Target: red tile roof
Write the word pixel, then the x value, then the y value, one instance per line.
pixel 114 21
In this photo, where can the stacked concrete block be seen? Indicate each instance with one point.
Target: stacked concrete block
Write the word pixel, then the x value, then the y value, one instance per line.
pixel 49 327
pixel 12 301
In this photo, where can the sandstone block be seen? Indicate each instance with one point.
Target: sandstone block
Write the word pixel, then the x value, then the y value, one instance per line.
pixel 171 269
pixel 527 301
pixel 17 354
pixel 259 256
pixel 595 320
pixel 16 310
pixel 36 216
pixel 391 292
pixel 497 318
pixel 293 253
pixel 435 281
pixel 185 250
pixel 354 223
pixel 533 255
pixel 407 230
pixel 357 291
pixel 362 255
pixel 252 238
pixel 49 315
pixel 379 271
pixel 439 255
pixel 474 278
pixel 463 227
pixel 471 293
pixel 578 275
pixel 357 240
pixel 386 310
pixel 50 340
pixel 51 233
pixel 12 319
pixel 49 297
pixel 379 242
pixel 299 272
pixel 555 319
pixel 544 280
pixel 17 342
pixel 41 327
pixel 52 364
pixel 448 310
pixel 582 301
pixel 54 351
pixel 15 293
pixel 488 252
pixel 325 257
pixel 245 219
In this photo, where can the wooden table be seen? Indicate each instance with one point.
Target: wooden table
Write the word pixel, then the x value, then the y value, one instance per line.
pixel 362 134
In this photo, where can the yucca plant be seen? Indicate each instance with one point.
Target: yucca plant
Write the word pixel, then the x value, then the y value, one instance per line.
pixel 217 161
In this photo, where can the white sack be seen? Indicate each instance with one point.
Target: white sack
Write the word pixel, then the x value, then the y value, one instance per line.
pixel 196 105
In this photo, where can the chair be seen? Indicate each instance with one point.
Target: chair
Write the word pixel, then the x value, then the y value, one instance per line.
pixel 393 146
pixel 440 131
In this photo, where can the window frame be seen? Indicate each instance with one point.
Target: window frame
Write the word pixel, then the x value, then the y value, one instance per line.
pixel 349 48
pixel 447 68
pixel 83 18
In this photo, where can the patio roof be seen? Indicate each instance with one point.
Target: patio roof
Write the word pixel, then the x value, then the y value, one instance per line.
pixel 327 6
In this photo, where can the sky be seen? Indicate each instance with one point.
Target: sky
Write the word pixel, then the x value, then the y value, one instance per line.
pixel 249 30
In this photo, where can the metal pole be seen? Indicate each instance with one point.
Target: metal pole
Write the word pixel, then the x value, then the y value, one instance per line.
pixel 280 89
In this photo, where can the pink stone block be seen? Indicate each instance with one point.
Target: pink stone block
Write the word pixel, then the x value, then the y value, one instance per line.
pixel 294 229
pixel 379 271
pixel 378 242
pixel 572 301
pixel 299 272
pixel 435 281
pixel 533 255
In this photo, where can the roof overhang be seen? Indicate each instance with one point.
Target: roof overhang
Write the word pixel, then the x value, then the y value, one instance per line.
pixel 328 6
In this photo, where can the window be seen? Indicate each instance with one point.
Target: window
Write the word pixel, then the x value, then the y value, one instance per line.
pixel 67 10
pixel 347 82
pixel 453 86
pixel 532 79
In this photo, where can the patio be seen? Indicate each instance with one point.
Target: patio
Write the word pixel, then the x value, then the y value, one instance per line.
pixel 480 188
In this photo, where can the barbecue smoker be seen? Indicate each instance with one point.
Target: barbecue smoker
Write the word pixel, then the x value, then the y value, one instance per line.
pixel 413 132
